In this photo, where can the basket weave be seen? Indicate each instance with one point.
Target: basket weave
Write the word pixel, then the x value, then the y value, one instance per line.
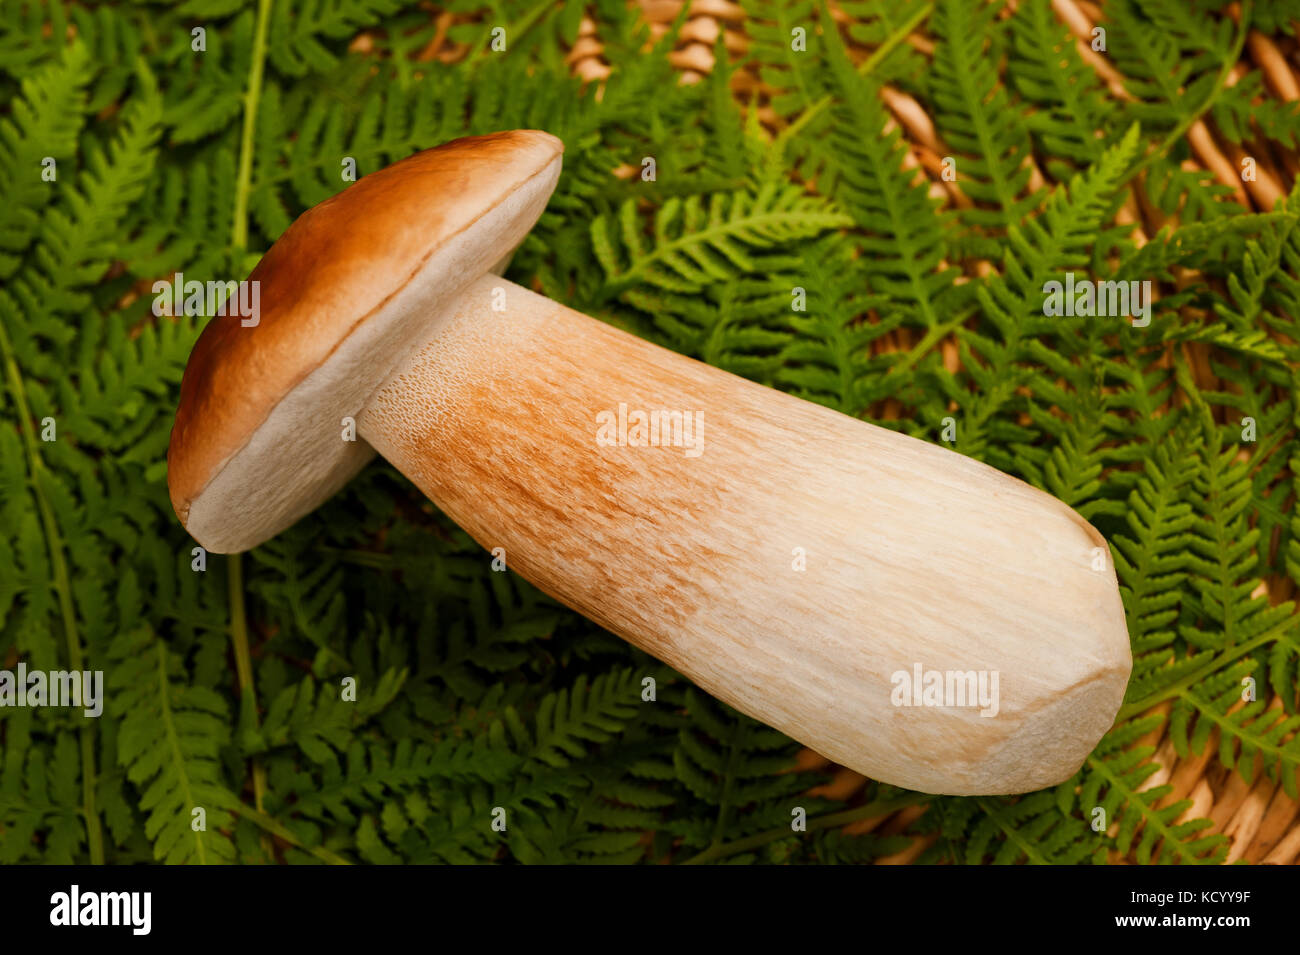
pixel 1260 820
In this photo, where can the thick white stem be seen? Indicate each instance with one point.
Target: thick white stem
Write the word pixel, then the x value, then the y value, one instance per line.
pixel 793 561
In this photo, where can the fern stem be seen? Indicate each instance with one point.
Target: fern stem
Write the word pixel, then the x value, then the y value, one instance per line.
pixel 1196 676
pixel 724 801
pixel 239 628
pixel 63 586
pixel 872 810
pixel 1150 814
pixel 1012 832
pixel 276 828
pixel 244 664
pixel 1279 752
pixel 239 242
pixel 239 228
pixel 867 65
pixel 932 337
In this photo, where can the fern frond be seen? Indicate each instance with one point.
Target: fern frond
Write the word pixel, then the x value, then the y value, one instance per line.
pixel 1060 238
pixel 1224 558
pixel 1114 780
pixel 39 792
pixel 1151 563
pixel 80 233
pixel 863 167
pixel 793 74
pixel 1245 109
pixel 1248 731
pixel 169 742
pixel 977 118
pixel 569 721
pixel 1170 54
pixel 302 32
pixel 872 23
pixel 366 777
pixel 1073 118
pixel 695 242
pixel 734 325
pixel 44 122
pixel 830 360
pixel 1034 829
pixel 733 765
pixel 212 97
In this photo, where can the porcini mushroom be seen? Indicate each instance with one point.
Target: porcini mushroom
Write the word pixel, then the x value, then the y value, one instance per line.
pixel 904 610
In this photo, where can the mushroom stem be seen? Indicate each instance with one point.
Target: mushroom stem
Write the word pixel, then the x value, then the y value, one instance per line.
pixel 788 559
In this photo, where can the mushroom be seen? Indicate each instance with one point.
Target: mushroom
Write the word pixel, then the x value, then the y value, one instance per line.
pixel 904 610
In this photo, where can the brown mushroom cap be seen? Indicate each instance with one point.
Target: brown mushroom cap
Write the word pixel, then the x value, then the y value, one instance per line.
pixel 354 286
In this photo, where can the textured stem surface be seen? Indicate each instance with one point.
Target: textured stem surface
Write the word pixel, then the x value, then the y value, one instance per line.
pixel 799 564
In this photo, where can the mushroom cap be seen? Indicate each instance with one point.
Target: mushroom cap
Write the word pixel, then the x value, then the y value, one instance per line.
pixel 354 286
